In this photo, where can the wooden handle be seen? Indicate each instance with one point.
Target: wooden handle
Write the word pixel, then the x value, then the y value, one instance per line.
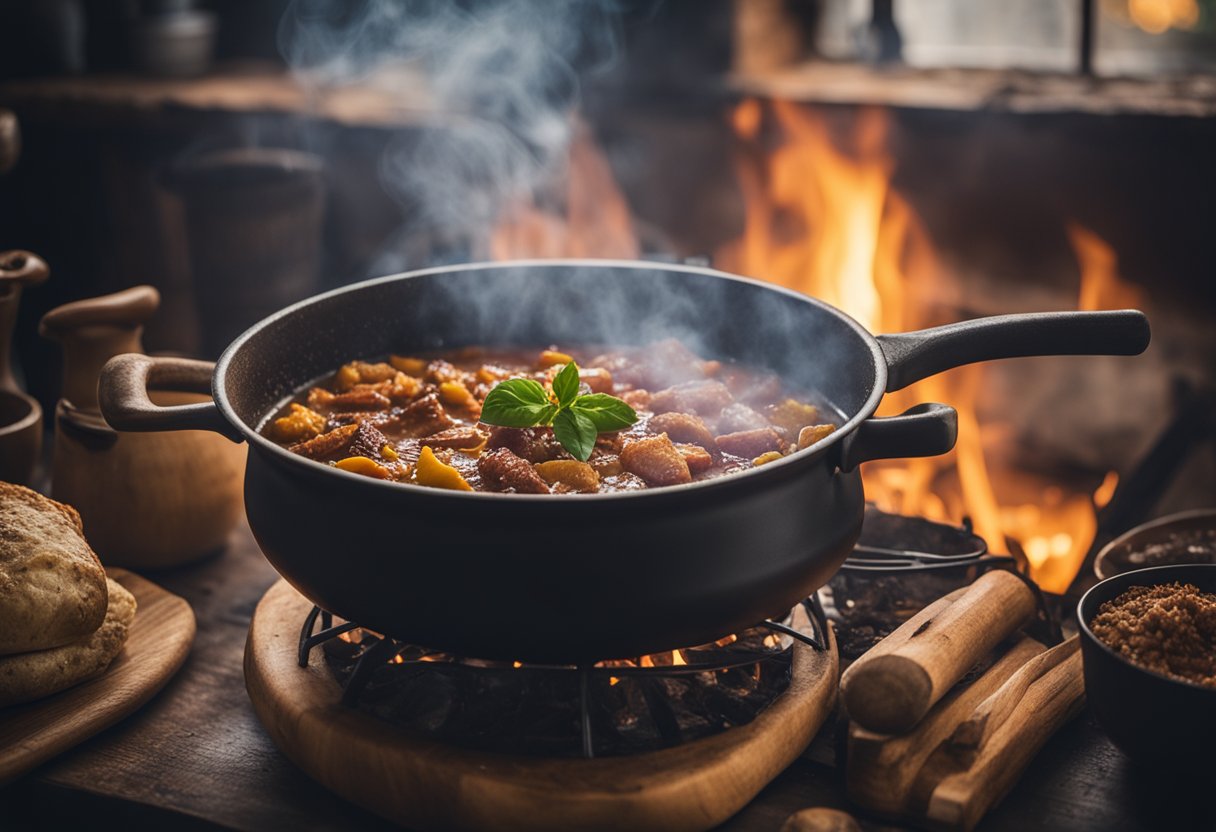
pixel 94 330
pixel 889 690
pixel 22 268
pixel 122 393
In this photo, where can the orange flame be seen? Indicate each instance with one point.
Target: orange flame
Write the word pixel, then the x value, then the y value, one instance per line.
pixel 827 222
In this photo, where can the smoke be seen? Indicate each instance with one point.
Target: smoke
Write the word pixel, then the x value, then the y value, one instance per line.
pixel 503 74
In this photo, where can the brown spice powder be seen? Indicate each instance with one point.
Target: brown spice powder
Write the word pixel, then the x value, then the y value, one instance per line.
pixel 1169 628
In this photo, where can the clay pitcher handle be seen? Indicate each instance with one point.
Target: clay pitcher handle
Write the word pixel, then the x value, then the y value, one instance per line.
pixel 17 269
pixel 122 392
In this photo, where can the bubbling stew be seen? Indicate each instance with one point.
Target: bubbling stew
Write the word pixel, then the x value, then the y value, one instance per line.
pixel 418 419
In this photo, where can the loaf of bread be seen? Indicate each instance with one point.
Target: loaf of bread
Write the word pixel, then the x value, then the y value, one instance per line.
pixel 52 587
pixel 28 676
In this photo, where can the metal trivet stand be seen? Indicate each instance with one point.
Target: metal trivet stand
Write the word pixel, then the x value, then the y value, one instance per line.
pixel 902 564
pixel 807 623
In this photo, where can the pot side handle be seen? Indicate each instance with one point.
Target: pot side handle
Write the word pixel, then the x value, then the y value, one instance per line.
pixel 924 430
pixel 122 393
pixel 912 356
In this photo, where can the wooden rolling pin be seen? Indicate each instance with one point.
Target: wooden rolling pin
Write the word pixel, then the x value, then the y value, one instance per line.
pixel 890 688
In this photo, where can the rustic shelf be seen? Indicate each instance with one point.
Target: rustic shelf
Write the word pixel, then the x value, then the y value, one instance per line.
pixel 982 90
pixel 395 96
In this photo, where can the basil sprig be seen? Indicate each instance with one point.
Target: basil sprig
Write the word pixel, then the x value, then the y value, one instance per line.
pixel 576 420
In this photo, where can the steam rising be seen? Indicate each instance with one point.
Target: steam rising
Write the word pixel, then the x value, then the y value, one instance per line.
pixel 506 70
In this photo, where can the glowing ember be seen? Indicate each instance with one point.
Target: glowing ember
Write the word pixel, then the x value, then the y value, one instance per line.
pixel 825 221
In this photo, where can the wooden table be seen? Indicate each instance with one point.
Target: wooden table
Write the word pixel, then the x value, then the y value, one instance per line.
pixel 197 758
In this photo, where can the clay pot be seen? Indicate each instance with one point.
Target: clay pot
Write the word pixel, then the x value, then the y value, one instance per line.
pixel 147 500
pixel 20 415
pixel 253 225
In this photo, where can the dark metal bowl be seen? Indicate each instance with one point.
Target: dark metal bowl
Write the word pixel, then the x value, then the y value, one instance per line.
pixel 1186 537
pixel 1149 715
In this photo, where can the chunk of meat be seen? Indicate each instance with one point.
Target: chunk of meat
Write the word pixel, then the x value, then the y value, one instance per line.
pixel 327 444
pixel 399 388
pixel 697 458
pixel 362 372
pixel 683 427
pixel 605 464
pixel 424 417
pixel 597 379
pixel 532 444
pixel 439 371
pixel 367 441
pixel 380 418
pixel 578 476
pixel 737 417
pixel 502 470
pixel 611 442
pixel 624 481
pixel 751 443
pixel 656 460
pixel 461 437
pixel 637 399
pixel 361 399
pixel 704 398
pixel 297 426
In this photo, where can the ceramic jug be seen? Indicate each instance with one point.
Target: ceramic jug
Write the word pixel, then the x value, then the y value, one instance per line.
pixel 147 499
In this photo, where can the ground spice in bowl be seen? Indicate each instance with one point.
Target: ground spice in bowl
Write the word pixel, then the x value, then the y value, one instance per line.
pixel 1168 628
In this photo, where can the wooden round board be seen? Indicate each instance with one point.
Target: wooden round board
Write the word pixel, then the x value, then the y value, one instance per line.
pixel 427 785
pixel 157 645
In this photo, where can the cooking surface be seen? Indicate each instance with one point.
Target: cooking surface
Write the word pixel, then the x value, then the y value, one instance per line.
pixel 196 756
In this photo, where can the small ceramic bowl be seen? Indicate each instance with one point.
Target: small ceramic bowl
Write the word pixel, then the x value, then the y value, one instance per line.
pixel 20 436
pixel 1150 716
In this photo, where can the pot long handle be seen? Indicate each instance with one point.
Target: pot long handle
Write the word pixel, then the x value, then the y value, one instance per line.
pixel 122 393
pixel 924 430
pixel 912 356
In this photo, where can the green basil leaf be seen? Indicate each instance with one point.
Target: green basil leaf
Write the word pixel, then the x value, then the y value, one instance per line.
pixel 605 412
pixel 576 433
pixel 565 385
pixel 517 403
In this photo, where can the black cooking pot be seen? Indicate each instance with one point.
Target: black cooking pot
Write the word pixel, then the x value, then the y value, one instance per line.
pixel 568 578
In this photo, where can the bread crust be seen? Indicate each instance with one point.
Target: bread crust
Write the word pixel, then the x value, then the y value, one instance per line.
pixel 52 586
pixel 26 677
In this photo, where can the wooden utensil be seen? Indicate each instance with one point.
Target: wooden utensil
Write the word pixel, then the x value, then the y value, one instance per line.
pixel 890 688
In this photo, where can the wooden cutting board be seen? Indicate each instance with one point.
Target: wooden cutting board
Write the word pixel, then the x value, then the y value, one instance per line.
pixel 424 784
pixel 157 645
